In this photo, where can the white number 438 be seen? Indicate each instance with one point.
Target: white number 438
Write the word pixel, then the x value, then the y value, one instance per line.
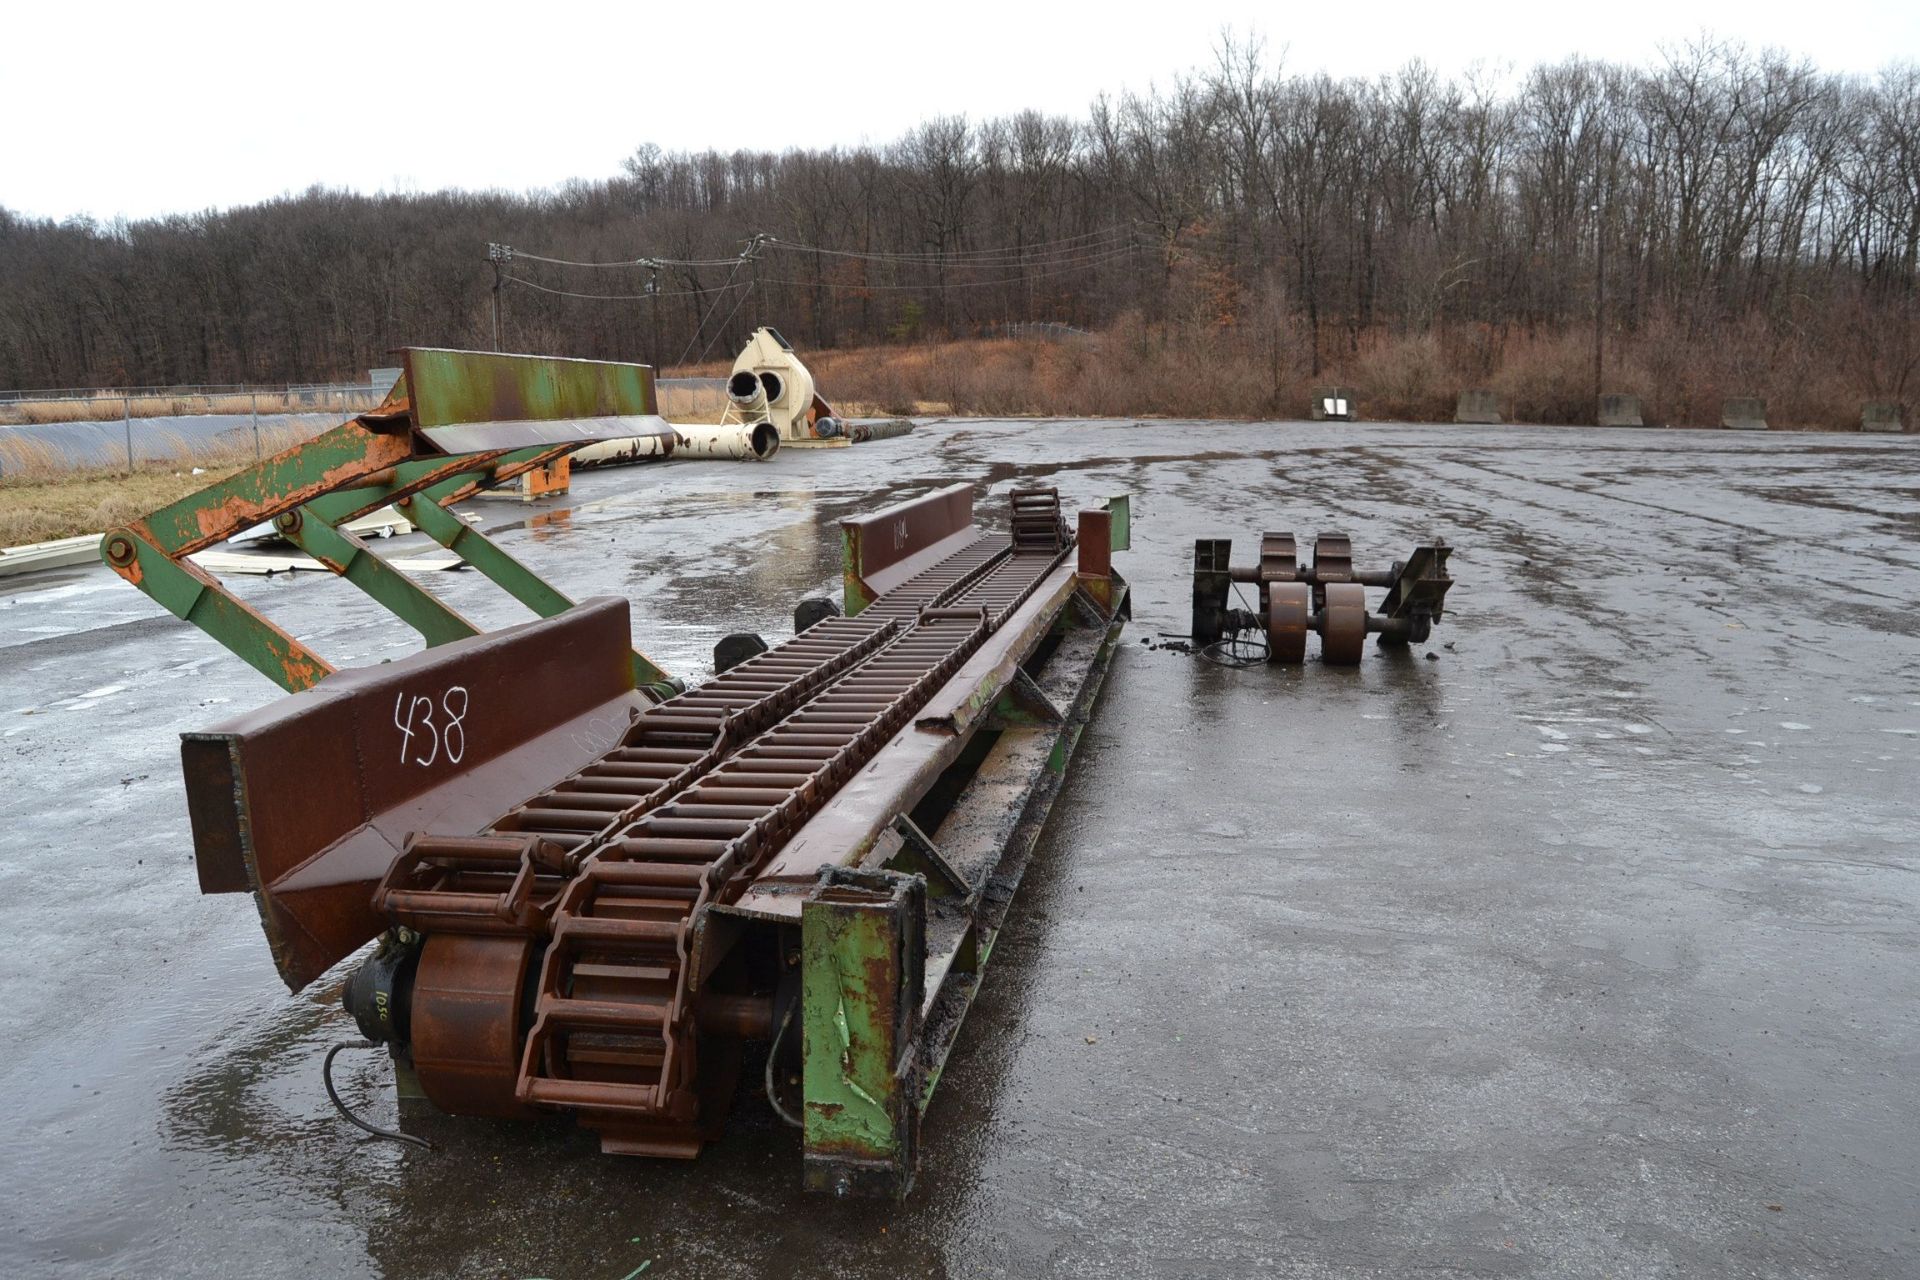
pixel 423 739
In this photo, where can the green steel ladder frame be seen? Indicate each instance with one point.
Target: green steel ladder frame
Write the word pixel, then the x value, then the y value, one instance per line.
pixel 372 461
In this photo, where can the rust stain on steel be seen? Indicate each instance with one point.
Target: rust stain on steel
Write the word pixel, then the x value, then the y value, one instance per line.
pixel 1327 597
pixel 624 827
pixel 846 826
pixel 432 740
pixel 452 387
pixel 608 971
pixel 221 520
pixel 466 1022
pixel 383 489
pixel 498 474
pixel 890 546
pixel 1095 546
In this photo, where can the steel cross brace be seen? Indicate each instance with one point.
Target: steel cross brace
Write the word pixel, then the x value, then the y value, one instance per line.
pixel 390 455
pixel 317 533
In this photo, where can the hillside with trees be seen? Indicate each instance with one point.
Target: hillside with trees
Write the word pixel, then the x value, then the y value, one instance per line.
pixel 1737 222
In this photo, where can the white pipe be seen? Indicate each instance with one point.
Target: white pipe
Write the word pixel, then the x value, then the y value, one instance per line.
pixel 612 453
pixel 748 393
pixel 734 440
pixel 756 440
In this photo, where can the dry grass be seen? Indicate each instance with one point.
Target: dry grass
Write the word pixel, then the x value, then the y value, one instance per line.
pixel 1211 371
pixel 45 508
pixel 42 498
pixel 108 406
pixel 704 403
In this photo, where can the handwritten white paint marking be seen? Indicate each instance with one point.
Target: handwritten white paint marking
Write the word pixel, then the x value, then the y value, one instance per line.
pixel 413 717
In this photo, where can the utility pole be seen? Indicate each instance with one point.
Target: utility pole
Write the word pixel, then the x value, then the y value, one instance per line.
pixel 1599 270
pixel 752 255
pixel 653 304
pixel 1599 301
pixel 499 255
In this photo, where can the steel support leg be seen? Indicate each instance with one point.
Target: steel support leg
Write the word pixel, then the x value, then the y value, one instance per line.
pixel 862 979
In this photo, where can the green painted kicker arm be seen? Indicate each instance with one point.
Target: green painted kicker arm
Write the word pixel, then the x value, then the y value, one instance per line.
pixel 467 542
pixel 191 594
pixel 518 581
pixel 346 454
pixel 353 560
pixel 410 478
pixel 421 505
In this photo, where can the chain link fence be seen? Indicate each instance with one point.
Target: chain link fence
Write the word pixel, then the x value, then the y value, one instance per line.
pixel 219 426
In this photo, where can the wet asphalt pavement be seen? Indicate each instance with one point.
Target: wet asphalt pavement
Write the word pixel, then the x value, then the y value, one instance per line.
pixel 1580 941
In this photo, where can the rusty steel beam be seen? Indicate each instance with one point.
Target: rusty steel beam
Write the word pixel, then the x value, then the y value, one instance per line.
pixel 309 801
pixel 887 548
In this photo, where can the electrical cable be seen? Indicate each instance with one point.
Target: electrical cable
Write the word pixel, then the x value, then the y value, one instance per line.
pixel 720 293
pixel 1232 651
pixel 773 1056
pixel 606 297
pixel 1038 251
pixel 738 303
pixel 649 263
pixel 1007 255
pixel 326 1077
pixel 1020 278
pixel 928 287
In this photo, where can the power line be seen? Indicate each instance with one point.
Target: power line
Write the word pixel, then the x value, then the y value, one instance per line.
pixel 723 324
pixel 1082 264
pixel 1010 255
pixel 648 263
pixel 699 328
pixel 609 297
pixel 1065 267
pixel 1005 255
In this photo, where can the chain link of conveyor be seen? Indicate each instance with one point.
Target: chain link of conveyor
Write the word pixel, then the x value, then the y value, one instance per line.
pixel 507 879
pixel 613 1020
pixel 618 860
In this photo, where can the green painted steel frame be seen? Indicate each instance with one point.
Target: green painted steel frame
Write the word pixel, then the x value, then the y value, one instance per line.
pixel 861 977
pixel 881 1002
pixel 376 459
pixel 1120 508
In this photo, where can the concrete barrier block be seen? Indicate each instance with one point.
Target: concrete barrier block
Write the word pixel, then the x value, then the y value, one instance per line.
pixel 1482 407
pixel 1743 413
pixel 1620 411
pixel 1331 404
pixel 1881 415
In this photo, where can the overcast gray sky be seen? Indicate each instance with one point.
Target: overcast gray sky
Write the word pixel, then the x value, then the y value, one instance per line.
pixel 145 108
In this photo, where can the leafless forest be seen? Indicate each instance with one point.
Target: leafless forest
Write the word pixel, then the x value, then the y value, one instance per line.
pixel 1737 222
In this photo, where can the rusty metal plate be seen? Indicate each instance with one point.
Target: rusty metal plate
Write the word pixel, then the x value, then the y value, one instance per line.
pixel 1332 558
pixel 891 545
pixel 308 801
pixel 1279 558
